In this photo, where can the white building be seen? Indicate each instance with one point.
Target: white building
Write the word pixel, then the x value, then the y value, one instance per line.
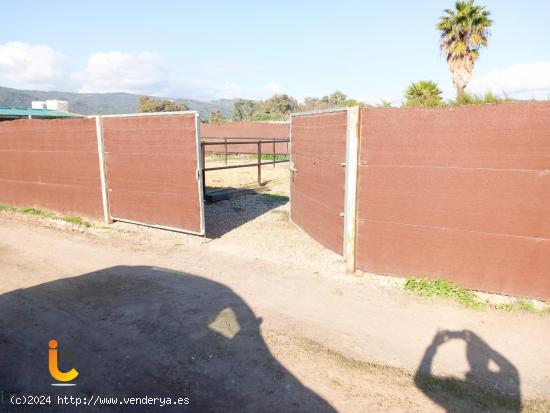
pixel 38 104
pixel 51 104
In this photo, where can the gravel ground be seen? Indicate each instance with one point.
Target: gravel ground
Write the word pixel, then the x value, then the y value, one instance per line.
pixel 292 332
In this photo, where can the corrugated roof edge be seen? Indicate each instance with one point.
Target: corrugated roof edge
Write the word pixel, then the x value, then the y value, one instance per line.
pixel 38 113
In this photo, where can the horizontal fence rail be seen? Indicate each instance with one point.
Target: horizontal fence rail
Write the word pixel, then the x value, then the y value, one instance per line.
pixel 238 141
pixel 245 165
pixel 245 141
pixel 245 145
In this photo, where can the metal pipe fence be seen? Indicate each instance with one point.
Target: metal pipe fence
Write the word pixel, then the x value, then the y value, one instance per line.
pixel 258 142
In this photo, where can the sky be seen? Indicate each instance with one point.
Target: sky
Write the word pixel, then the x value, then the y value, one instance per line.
pixel 370 50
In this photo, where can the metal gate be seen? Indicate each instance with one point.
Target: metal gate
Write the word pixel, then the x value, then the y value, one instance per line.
pixel 153 170
pixel 318 156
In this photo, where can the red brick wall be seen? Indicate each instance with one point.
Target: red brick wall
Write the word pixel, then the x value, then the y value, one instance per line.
pixel 51 164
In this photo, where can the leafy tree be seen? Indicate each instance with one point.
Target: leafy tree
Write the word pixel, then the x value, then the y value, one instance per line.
pixel 335 99
pixel 338 98
pixel 242 109
pixel 277 106
pixel 269 116
pixel 469 99
pixel 216 116
pixel 280 106
pixel 423 93
pixel 312 103
pixel 147 104
pixel 464 30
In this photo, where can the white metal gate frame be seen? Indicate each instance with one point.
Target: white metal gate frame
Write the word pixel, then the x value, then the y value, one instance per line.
pixel 108 218
pixel 353 131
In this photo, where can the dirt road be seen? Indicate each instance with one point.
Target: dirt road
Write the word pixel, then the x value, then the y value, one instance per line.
pixel 257 318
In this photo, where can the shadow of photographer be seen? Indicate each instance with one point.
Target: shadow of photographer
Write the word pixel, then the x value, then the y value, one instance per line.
pixel 135 331
pixel 491 384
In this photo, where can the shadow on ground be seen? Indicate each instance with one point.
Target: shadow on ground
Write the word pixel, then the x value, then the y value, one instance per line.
pixel 145 331
pixel 491 384
pixel 226 215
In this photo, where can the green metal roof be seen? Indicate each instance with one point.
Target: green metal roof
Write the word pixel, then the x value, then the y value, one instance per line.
pixel 13 113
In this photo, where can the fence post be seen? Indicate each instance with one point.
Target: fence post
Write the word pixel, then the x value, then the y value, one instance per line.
pixel 225 140
pixel 274 153
pixel 259 163
pixel 203 163
pixel 102 169
pixel 200 171
pixel 350 194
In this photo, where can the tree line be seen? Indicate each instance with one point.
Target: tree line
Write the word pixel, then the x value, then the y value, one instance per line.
pixel 276 108
pixel 147 104
pixel 280 106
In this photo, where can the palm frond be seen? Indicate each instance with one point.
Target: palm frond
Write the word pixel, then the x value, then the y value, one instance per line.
pixel 464 29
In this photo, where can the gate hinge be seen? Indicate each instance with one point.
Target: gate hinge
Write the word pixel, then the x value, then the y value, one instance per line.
pixel 198 174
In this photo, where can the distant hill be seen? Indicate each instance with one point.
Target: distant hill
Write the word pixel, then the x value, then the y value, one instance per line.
pixel 102 103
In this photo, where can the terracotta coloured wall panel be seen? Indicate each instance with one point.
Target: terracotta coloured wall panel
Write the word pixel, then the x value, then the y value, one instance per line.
pixel 460 194
pixel 504 136
pixel 317 188
pixel 476 260
pixel 51 164
pixel 254 130
pixel 511 202
pixel 151 170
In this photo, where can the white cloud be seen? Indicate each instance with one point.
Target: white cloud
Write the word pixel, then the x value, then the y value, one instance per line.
pixel 274 88
pixel 123 72
pixel 145 73
pixel 524 80
pixel 41 67
pixel 201 89
pixel 37 66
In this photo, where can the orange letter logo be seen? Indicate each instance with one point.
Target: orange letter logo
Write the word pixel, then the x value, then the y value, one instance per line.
pixel 53 365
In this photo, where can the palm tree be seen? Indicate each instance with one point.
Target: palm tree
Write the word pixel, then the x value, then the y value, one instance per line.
pixel 464 30
pixel 423 93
